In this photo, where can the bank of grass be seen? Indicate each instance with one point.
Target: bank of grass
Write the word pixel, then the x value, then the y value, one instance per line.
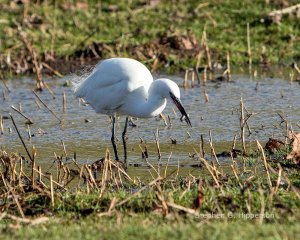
pixel 65 29
pixel 153 227
pixel 220 204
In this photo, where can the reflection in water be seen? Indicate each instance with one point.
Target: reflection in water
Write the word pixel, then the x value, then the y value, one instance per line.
pixel 89 139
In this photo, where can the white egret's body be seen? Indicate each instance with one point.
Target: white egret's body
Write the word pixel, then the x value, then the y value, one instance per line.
pixel 123 86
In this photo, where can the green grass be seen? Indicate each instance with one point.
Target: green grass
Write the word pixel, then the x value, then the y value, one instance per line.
pixel 63 29
pixel 153 227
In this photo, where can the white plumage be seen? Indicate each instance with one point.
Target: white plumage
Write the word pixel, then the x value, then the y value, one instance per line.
pixel 123 86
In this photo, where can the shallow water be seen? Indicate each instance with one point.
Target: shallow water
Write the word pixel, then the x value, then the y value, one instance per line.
pixel 90 139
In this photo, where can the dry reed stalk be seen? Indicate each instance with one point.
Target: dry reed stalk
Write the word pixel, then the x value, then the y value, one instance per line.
pixel 205 95
pixel 49 90
pixel 204 75
pixel 242 125
pixel 161 198
pixel 23 143
pixel 233 143
pixel 262 205
pixel 177 171
pixel 202 151
pixel 163 118
pixel 228 66
pixel 265 163
pixel 236 176
pixel 175 114
pixel 278 178
pixel 212 148
pixel 57 73
pixel 40 173
pixel 33 166
pixel 193 79
pixel 197 75
pixel 166 168
pixel 29 132
pixel 91 177
pixel 205 45
pixel 169 120
pixel 198 62
pixel 211 171
pixel 184 209
pixel 64 148
pixel 247 118
pixel 1 125
pixel 23 115
pixel 64 102
pixel 249 49
pixel 45 105
pixel 185 78
pixel 156 137
pixel 104 173
pixel 51 190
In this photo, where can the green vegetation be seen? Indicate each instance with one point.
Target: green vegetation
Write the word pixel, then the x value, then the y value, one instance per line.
pixel 146 30
pixel 219 204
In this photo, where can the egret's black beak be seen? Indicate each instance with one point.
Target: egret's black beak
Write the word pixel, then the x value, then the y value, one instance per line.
pixel 181 109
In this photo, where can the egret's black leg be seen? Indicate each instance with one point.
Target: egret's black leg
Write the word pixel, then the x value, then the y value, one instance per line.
pixel 124 139
pixel 113 138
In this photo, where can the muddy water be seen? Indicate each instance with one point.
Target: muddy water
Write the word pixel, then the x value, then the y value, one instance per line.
pixel 88 134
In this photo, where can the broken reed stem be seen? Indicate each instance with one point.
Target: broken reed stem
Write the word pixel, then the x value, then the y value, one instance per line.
pixel 236 176
pixel 45 105
pixel 33 167
pixel 64 102
pixel 197 75
pixel 233 143
pixel 166 168
pixel 265 163
pixel 52 70
pixel 22 114
pixel 242 125
pixel 205 44
pixel 156 136
pixel 212 148
pixel 228 66
pixel 23 143
pixel 279 178
pixel 204 75
pixel 51 190
pixel 193 79
pixel 50 91
pixel 202 146
pixel 262 205
pixel 205 95
pixel 249 49
pixel 185 78
pixel 1 125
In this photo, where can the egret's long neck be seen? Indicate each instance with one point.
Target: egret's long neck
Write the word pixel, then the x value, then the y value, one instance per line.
pixel 150 105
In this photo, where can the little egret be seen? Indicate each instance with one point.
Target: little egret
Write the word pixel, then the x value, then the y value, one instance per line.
pixel 123 86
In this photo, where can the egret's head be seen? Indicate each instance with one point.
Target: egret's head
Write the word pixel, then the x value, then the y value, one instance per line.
pixel 171 91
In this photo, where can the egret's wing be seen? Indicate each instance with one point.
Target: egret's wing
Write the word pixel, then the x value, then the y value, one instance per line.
pixel 111 82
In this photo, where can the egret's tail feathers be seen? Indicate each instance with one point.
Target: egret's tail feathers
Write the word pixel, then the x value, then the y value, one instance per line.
pixel 78 85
